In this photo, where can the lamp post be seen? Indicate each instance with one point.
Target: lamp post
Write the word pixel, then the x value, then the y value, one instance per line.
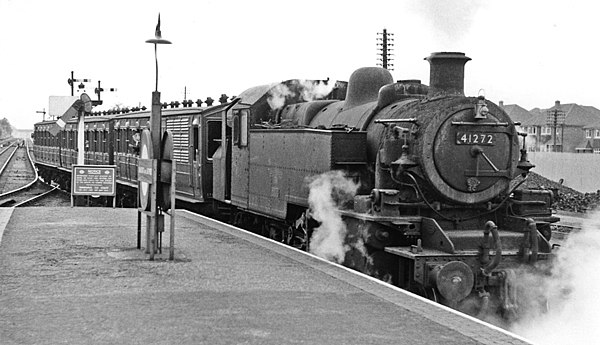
pixel 155 115
pixel 156 219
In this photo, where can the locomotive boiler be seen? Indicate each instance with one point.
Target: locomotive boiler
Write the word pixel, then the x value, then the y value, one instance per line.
pixel 438 210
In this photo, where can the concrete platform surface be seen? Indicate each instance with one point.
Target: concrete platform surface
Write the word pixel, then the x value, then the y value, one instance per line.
pixel 75 276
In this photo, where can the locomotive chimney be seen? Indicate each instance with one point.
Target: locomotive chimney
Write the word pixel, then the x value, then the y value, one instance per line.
pixel 447 73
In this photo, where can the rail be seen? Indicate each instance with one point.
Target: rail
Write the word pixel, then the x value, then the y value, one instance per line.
pixel 28 185
pixel 37 197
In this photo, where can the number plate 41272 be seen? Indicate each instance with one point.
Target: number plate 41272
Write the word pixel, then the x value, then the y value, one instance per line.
pixel 474 138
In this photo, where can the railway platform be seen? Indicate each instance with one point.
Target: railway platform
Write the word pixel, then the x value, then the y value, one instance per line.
pixel 75 276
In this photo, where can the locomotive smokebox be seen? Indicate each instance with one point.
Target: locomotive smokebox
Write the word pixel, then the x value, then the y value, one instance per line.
pixel 447 73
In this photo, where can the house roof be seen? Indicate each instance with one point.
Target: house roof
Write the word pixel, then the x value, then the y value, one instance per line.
pixel 584 144
pixel 538 118
pixel 578 115
pixel 517 113
pixel 575 115
pixel 595 125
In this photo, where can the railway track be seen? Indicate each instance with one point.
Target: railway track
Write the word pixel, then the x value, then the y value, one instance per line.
pixel 19 181
pixel 569 223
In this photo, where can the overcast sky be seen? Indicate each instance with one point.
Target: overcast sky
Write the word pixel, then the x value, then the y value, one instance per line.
pixel 529 53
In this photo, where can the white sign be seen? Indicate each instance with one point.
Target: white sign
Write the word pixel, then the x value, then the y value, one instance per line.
pixel 58 105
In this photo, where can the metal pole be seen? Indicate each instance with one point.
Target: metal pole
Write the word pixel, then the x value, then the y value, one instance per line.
pixel 156 134
pixel 154 216
pixel 562 137
pixel 81 138
pixel 139 230
pixel 554 130
pixel 172 235
pixel 156 62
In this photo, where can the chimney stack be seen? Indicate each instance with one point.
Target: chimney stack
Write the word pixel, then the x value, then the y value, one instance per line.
pixel 447 73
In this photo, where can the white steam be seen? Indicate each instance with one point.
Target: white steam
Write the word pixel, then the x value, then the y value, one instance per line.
pixel 530 141
pixel 451 19
pixel 571 291
pixel 305 90
pixel 277 96
pixel 328 192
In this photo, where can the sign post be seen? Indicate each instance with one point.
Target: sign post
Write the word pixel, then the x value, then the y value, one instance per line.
pixel 93 180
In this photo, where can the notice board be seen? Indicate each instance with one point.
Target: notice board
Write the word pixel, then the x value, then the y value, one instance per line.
pixel 93 180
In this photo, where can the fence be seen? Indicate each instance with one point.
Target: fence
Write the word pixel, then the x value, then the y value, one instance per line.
pixel 578 171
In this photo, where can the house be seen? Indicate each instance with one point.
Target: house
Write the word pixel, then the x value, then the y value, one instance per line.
pixel 591 142
pixel 525 123
pixel 561 128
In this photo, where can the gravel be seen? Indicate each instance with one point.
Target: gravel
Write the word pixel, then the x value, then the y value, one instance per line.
pixel 565 198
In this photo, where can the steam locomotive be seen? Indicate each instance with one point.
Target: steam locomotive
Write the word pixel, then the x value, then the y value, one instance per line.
pixel 437 206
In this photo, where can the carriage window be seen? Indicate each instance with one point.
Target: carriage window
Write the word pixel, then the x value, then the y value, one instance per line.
pixel 236 128
pixel 87 141
pixel 240 128
pixel 117 140
pixel 124 141
pixel 213 138
pixel 195 141
pixel 128 141
pixel 121 139
pixel 100 144
pixel 244 128
pixel 134 142
pixel 94 145
pixel 105 138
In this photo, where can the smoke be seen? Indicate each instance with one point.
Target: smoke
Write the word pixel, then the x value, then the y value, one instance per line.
pixel 451 19
pixel 277 96
pixel 304 90
pixel 571 292
pixel 328 193
pixel 530 141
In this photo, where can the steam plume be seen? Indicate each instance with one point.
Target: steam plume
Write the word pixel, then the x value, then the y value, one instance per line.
pixel 277 96
pixel 298 90
pixel 328 192
pixel 571 291
pixel 451 19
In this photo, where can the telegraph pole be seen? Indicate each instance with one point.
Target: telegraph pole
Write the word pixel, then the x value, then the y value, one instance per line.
pixel 385 46
pixel 554 118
